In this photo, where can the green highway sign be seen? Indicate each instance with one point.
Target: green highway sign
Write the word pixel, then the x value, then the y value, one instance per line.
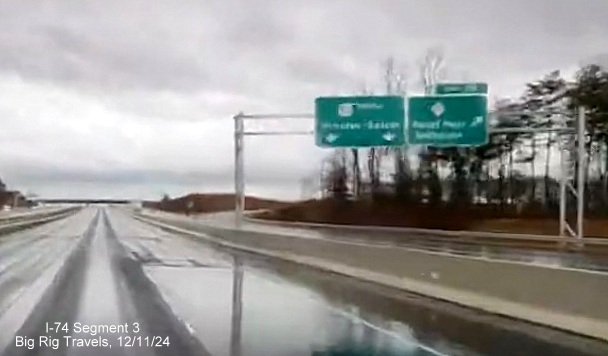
pixel 448 120
pixel 359 121
pixel 461 88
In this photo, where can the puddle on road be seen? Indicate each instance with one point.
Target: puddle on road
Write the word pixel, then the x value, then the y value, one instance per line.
pixel 278 318
pixel 202 299
pixel 290 311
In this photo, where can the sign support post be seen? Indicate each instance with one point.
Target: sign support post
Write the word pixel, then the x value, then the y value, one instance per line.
pixel 571 156
pixel 239 168
pixel 239 152
pixel 580 192
pixel 563 182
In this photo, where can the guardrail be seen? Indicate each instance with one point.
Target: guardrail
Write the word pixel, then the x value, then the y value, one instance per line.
pixel 34 214
pixel 34 220
pixel 24 214
pixel 461 235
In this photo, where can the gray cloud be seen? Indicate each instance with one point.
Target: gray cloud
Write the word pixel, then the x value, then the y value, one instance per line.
pixel 61 175
pixel 85 45
pixel 141 92
pixel 165 49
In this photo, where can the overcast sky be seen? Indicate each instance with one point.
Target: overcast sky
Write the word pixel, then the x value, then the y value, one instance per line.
pixel 134 98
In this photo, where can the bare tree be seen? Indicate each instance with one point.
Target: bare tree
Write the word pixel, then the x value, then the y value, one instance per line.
pixel 396 84
pixel 432 69
pixel 335 183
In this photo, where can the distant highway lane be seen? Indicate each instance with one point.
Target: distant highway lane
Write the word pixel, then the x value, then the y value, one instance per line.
pixel 595 261
pixel 102 283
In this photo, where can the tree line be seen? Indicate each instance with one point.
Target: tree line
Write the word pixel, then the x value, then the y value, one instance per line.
pixel 513 170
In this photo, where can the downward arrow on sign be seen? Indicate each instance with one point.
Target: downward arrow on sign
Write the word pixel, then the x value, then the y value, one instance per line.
pixel 389 136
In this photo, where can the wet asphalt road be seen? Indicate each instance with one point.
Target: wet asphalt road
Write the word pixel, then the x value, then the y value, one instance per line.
pixel 174 295
pixel 596 260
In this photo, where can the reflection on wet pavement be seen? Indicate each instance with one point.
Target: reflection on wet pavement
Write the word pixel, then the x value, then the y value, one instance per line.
pixel 271 308
pixel 277 318
pixel 444 327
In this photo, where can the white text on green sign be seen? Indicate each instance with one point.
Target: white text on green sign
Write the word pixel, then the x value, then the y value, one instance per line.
pixel 452 120
pixel 461 88
pixel 359 121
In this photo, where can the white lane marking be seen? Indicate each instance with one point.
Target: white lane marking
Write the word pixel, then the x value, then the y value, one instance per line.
pixel 386 331
pixel 316 297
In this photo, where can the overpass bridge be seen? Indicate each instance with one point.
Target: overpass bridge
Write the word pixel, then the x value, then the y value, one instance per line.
pixel 82 201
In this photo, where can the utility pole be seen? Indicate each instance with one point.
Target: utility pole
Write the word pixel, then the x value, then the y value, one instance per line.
pixel 239 169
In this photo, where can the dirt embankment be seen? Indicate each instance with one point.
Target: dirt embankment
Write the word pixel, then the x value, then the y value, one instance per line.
pixel 391 213
pixel 386 213
pixel 13 198
pixel 210 203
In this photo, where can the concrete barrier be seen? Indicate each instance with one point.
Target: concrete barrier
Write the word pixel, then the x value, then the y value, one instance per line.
pixel 567 299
